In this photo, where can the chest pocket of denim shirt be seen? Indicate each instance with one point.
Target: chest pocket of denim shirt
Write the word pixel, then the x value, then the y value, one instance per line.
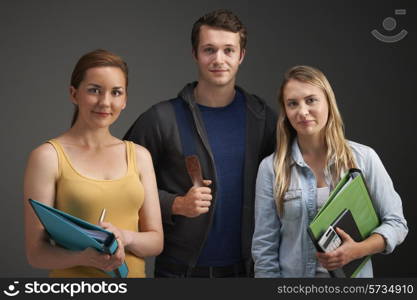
pixel 292 205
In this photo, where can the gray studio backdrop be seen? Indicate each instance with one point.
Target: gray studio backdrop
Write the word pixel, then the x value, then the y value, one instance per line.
pixel 374 81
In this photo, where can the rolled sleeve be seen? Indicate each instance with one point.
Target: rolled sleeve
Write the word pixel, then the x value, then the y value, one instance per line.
pixel 265 243
pixel 387 203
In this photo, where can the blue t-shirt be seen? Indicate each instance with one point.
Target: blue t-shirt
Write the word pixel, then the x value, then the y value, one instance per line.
pixel 226 130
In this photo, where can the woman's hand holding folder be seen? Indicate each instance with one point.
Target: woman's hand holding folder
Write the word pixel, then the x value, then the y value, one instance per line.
pixel 351 250
pixel 117 259
pixel 348 251
pixel 104 261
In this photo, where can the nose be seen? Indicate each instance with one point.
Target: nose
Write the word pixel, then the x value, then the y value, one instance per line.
pixel 219 57
pixel 304 110
pixel 105 99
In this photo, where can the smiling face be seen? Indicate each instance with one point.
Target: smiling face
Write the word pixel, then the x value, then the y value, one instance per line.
pixel 306 107
pixel 218 56
pixel 100 97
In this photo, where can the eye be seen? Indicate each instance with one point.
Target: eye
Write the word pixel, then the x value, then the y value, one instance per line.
pixel 94 90
pixel 229 50
pixel 209 50
pixel 292 103
pixel 311 100
pixel 117 93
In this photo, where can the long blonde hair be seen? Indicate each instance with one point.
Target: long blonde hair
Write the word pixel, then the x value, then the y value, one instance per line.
pixel 335 142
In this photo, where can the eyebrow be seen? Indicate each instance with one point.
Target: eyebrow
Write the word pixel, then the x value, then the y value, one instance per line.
pixel 309 96
pixel 99 86
pixel 211 45
pixel 305 97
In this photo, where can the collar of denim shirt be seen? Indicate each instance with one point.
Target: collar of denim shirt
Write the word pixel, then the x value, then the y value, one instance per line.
pixel 297 157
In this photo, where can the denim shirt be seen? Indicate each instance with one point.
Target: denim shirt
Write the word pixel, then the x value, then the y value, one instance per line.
pixel 281 247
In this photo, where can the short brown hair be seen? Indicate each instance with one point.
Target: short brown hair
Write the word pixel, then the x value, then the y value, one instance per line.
pixel 96 58
pixel 223 19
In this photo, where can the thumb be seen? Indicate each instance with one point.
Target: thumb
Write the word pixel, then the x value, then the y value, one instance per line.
pixel 343 235
pixel 207 182
pixel 103 224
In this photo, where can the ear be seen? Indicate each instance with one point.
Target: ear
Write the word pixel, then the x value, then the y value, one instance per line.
pixel 194 54
pixel 73 93
pixel 124 103
pixel 242 55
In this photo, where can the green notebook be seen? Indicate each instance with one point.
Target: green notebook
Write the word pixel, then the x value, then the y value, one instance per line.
pixel 352 194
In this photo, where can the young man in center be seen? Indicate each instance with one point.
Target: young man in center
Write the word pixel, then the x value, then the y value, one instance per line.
pixel 208 226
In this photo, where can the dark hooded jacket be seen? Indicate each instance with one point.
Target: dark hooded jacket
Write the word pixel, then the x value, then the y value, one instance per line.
pixel 157 130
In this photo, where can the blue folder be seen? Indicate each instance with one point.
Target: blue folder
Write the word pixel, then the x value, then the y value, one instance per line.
pixel 76 234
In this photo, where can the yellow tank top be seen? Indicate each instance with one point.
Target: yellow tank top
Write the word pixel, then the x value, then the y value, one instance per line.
pixel 85 198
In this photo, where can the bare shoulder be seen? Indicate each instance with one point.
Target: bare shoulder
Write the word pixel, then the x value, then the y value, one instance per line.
pixel 44 158
pixel 44 151
pixel 143 160
pixel 142 153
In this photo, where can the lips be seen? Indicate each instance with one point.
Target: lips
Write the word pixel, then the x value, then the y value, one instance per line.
pixel 101 114
pixel 306 122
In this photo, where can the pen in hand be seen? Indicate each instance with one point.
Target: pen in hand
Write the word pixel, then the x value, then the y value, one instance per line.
pixel 102 215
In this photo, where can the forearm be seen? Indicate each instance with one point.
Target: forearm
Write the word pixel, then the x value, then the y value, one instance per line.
pixel 47 256
pixel 143 244
pixel 372 245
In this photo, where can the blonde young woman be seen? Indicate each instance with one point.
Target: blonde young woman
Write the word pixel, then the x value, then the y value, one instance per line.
pixel 312 155
pixel 86 169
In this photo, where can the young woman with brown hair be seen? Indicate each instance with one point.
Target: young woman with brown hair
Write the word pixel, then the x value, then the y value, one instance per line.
pixel 87 169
